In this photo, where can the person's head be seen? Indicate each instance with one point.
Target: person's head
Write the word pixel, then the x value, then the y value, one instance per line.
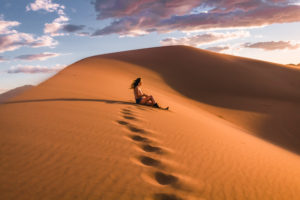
pixel 135 83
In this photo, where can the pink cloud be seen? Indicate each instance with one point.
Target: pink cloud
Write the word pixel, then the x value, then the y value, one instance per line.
pixel 272 45
pixel 43 5
pixel 218 48
pixel 5 26
pixel 11 39
pixel 197 40
pixel 154 8
pixel 29 69
pixel 41 56
pixel 54 28
pixel 43 41
pixel 17 40
pixel 139 17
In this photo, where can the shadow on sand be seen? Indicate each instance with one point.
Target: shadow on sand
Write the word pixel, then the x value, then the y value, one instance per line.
pixel 74 99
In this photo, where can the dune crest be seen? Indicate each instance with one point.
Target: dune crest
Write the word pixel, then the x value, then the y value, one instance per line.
pixel 231 132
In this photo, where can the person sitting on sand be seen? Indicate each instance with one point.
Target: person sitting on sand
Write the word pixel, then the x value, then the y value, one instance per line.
pixel 140 97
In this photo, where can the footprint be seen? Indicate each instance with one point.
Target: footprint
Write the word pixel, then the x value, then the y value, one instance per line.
pixel 164 196
pixel 135 129
pixel 122 122
pixel 139 107
pixel 150 148
pixel 165 179
pixel 131 127
pixel 149 161
pixel 127 113
pixel 139 138
pixel 129 117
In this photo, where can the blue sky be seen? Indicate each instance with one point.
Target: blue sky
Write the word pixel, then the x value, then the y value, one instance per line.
pixel 40 37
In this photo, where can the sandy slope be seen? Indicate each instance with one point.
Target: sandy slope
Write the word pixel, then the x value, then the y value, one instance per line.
pixel 14 92
pixel 79 136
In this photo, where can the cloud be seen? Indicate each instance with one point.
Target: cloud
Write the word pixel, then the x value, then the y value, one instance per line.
pixel 5 26
pixel 156 8
pixel 43 5
pixel 197 40
pixel 83 34
pixel 54 28
pixel 140 17
pixel 43 41
pixel 17 40
pixel 272 45
pixel 218 48
pixel 11 39
pixel 41 56
pixel 72 28
pixel 2 59
pixel 29 69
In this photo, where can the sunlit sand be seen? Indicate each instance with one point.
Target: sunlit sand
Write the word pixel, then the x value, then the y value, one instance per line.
pixel 232 131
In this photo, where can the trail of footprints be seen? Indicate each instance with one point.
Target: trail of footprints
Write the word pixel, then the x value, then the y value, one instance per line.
pixel 158 169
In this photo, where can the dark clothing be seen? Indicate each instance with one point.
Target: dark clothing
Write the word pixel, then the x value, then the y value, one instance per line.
pixel 138 100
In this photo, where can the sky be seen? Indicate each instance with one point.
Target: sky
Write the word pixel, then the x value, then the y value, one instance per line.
pixel 38 38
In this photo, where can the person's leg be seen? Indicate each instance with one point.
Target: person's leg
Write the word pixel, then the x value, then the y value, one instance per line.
pixel 153 102
pixel 149 100
pixel 144 100
pixel 149 103
pixel 152 99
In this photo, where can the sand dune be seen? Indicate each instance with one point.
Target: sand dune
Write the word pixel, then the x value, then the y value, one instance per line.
pixel 259 96
pixel 231 132
pixel 295 65
pixel 14 92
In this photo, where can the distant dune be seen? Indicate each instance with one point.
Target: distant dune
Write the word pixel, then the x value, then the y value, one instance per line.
pixel 298 65
pixel 232 131
pixel 14 92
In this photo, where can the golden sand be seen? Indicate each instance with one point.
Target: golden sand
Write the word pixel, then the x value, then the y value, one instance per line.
pixel 232 131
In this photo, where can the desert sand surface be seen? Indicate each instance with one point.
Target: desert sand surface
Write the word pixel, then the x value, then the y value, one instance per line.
pixel 232 131
pixel 14 92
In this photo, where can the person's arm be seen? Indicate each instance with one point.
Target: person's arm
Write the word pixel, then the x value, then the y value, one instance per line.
pixel 144 95
pixel 139 92
pixel 136 93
